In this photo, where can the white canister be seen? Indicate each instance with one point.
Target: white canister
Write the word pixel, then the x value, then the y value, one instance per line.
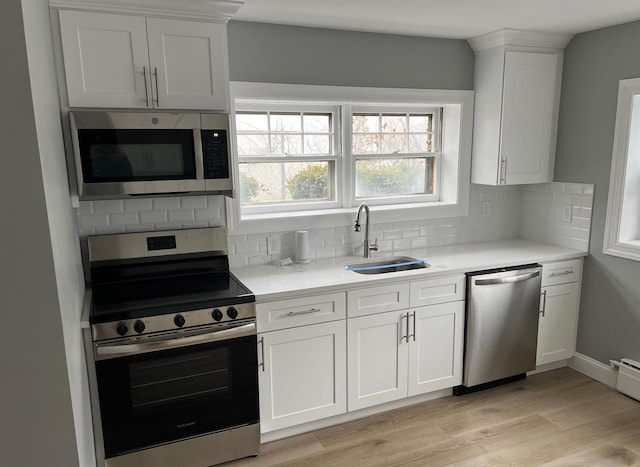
pixel 302 247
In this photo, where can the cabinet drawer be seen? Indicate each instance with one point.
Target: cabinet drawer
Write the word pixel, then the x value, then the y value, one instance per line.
pixel 282 314
pixel 372 300
pixel 561 272
pixel 439 290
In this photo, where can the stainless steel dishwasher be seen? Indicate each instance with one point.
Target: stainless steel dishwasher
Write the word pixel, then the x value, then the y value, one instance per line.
pixel 501 326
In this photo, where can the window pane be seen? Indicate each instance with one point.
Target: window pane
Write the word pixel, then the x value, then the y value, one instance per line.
pixel 420 143
pixel 420 123
pixel 251 122
pixel 316 123
pixel 394 123
pixel 393 143
pixel 366 144
pixel 317 144
pixel 253 145
pixel 365 123
pixel 385 177
pixel 283 144
pixel 286 122
pixel 286 182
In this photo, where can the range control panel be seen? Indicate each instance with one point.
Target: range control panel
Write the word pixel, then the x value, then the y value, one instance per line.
pixel 173 321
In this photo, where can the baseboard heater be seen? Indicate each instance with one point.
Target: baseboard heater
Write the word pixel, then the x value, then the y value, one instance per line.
pixel 628 377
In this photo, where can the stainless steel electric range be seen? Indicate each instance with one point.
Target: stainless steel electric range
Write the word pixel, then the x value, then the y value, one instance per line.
pixel 172 355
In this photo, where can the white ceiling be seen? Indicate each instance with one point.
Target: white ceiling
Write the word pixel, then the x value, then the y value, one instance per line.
pixel 460 19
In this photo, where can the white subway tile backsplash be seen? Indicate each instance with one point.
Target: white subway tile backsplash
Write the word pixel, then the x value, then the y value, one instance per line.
pixel 108 206
pixel 529 211
pixel 192 202
pixel 125 218
pixel 180 215
pixel 165 204
pixel 153 217
pixel 139 204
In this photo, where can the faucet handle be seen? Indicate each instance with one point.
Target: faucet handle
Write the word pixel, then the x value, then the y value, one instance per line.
pixel 374 246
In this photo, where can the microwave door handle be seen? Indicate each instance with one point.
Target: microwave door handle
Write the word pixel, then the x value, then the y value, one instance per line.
pixel 106 351
pixel 197 142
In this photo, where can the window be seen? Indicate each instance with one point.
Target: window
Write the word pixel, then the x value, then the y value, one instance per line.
pixel 307 156
pixel 622 228
pixel 287 158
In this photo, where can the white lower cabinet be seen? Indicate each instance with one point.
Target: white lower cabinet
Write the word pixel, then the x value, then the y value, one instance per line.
pixel 302 374
pixel 404 353
pixel 558 321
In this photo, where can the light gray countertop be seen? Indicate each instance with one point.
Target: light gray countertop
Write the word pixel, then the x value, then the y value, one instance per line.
pixel 272 282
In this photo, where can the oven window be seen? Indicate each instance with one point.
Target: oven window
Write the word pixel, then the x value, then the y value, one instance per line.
pixel 136 155
pixel 179 379
pixel 161 397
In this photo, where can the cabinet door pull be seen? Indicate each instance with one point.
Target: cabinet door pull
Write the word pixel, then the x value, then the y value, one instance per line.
pixel 405 336
pixel 413 334
pixel 261 364
pixel 155 72
pixel 146 88
pixel 503 171
pixel 304 312
pixel 563 273
pixel 544 302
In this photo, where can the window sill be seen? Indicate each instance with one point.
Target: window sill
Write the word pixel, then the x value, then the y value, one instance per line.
pixel 343 217
pixel 628 250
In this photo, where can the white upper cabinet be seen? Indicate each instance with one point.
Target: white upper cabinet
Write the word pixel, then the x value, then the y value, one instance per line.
pixel 121 61
pixel 517 86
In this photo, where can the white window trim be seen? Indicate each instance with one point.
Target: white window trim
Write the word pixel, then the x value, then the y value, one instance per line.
pixel 457 124
pixel 622 226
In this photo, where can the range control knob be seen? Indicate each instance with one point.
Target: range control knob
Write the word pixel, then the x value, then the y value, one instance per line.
pixel 178 320
pixel 232 313
pixel 216 314
pixel 122 329
pixel 138 326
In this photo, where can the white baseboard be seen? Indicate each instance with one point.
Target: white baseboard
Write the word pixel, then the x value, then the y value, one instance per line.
pixel 593 369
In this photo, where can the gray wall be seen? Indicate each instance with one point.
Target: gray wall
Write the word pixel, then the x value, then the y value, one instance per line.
pixel 298 55
pixel 36 418
pixel 594 62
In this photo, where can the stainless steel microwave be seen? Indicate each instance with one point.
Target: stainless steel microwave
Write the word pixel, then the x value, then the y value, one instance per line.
pixel 121 154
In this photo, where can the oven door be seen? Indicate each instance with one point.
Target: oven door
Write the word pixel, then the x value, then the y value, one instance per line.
pixel 170 389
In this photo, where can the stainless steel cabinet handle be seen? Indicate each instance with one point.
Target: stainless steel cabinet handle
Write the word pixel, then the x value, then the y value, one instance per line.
pixel 104 351
pixel 503 171
pixel 155 72
pixel 261 364
pixel 304 312
pixel 544 302
pixel 507 280
pixel 406 336
pixel 146 88
pixel 413 334
pixel 563 273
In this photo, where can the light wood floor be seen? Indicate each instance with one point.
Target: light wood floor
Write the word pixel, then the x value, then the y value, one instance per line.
pixel 556 418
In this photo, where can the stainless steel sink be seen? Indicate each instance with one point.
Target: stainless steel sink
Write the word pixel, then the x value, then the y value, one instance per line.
pixel 385 265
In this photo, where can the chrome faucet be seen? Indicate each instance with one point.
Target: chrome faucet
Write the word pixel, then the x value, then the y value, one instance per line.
pixel 368 247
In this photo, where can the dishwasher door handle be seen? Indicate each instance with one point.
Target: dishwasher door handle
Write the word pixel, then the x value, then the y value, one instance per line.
pixel 507 280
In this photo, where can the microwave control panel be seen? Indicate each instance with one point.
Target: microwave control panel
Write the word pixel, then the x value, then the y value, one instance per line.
pixel 215 151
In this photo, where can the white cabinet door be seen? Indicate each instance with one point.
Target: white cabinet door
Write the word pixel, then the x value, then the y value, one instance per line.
pixel 105 59
pixel 188 61
pixel 377 359
pixel 302 375
pixel 515 116
pixel 558 320
pixel 435 347
pixel 529 117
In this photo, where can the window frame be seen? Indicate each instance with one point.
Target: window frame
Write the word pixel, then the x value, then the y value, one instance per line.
pixel 456 121
pixel 622 224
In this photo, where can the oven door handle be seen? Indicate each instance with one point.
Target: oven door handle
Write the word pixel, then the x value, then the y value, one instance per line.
pixel 106 351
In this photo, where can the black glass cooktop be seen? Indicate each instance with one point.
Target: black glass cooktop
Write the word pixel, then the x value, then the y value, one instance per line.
pixel 129 291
